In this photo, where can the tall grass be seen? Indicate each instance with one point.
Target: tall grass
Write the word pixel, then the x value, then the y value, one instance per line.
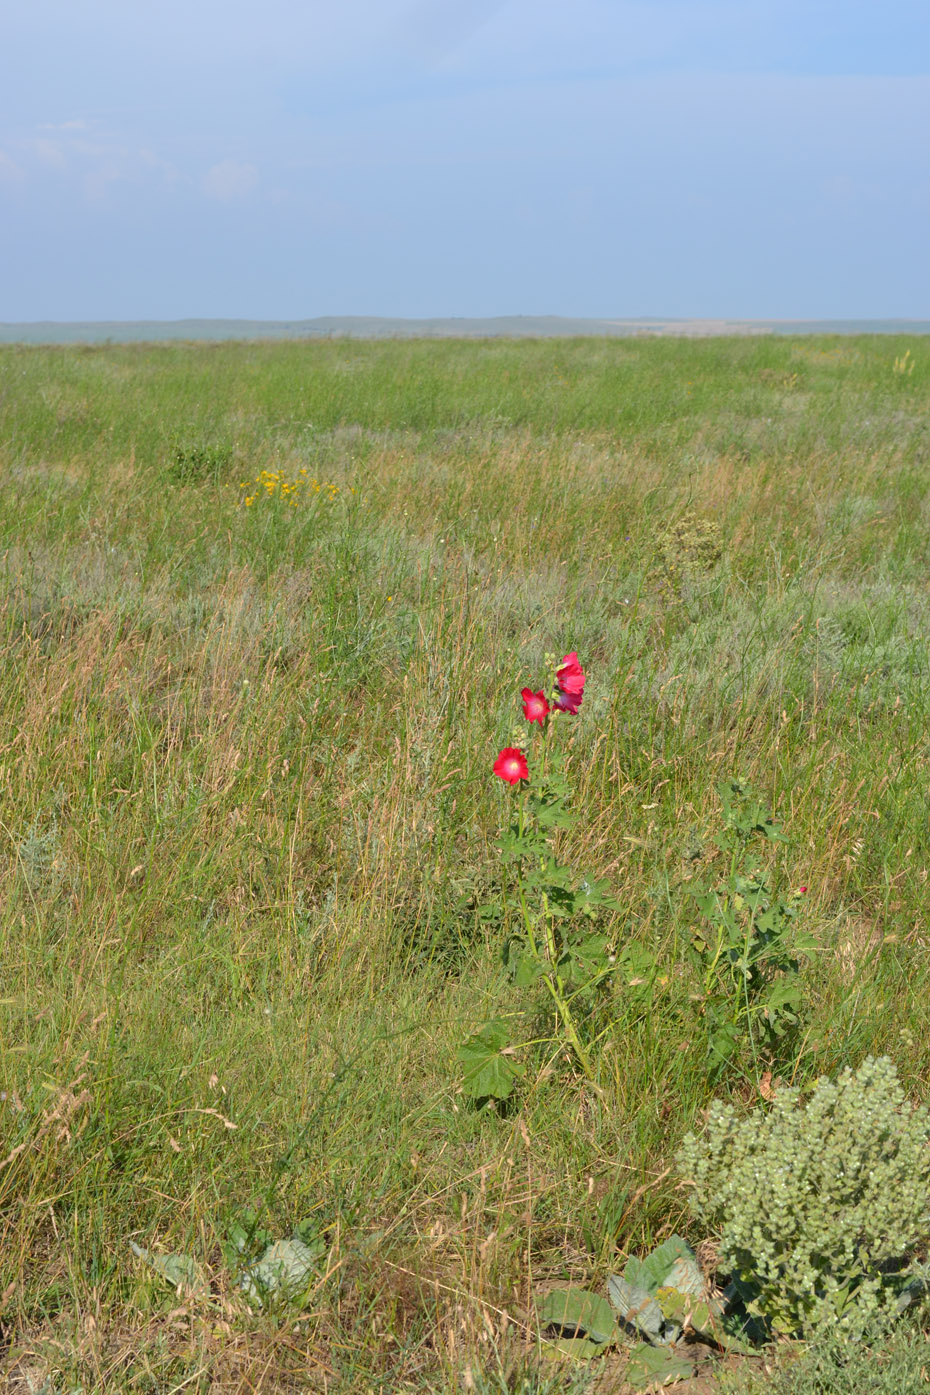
pixel 247 821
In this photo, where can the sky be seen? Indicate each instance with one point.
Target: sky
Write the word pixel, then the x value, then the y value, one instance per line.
pixel 294 158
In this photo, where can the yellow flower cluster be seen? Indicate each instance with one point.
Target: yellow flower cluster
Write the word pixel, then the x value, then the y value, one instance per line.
pixel 274 484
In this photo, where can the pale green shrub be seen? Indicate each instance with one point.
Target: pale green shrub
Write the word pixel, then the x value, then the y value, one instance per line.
pixel 821 1205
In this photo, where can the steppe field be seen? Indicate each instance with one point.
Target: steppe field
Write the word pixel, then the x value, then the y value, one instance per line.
pixel 265 614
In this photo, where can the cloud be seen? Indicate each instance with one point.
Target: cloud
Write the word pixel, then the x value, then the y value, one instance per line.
pixel 49 153
pixel 230 180
pixel 78 125
pixel 94 163
pixel 10 172
pixel 98 182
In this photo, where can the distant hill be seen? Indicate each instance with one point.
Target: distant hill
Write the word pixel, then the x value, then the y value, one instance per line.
pixel 371 327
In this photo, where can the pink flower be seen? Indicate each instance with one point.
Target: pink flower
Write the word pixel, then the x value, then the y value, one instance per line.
pixel 511 765
pixel 570 675
pixel 569 678
pixel 535 706
pixel 567 702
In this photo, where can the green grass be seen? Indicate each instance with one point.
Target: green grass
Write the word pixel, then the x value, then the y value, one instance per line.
pixel 899 1368
pixel 247 816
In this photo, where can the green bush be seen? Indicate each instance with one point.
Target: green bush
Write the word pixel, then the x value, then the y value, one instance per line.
pixel 820 1206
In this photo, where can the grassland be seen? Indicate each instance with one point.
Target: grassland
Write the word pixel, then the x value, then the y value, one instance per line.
pixel 247 820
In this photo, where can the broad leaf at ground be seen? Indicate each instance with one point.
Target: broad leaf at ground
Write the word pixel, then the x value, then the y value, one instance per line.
pixel 180 1270
pixel 577 1348
pixel 653 1271
pixel 650 1366
pixel 637 1307
pixel 284 1269
pixel 579 1313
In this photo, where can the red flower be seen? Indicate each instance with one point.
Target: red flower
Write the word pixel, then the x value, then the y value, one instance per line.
pixel 569 678
pixel 570 675
pixel 535 706
pixel 511 765
pixel 567 702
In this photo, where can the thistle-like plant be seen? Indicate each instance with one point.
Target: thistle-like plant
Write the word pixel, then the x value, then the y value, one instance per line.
pixel 657 1307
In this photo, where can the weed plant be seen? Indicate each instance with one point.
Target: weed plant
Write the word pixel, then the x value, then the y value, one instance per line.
pixel 251 901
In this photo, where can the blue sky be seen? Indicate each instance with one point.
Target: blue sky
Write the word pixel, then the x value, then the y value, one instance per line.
pixel 292 158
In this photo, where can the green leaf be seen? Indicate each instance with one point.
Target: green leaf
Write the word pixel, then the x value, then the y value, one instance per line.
pixel 488 1073
pixel 685 1311
pixel 513 846
pixel 685 1275
pixel 708 903
pixel 636 1305
pixel 723 1043
pixel 308 1230
pixel 284 1270
pixel 527 970
pixel 553 815
pixel 783 999
pixel 586 957
pixel 637 966
pixel 521 963
pixel 803 942
pixel 552 782
pixel 580 1312
pixel 576 1348
pixel 746 813
pixel 560 903
pixel 592 894
pixel 180 1270
pixel 555 876
pixel 656 1366
pixel 651 1273
pixel 246 1238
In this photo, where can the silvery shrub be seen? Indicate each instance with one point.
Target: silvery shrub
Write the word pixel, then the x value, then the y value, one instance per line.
pixel 820 1205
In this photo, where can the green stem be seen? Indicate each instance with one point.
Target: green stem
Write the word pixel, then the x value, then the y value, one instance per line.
pixel 750 927
pixel 551 978
pixel 556 987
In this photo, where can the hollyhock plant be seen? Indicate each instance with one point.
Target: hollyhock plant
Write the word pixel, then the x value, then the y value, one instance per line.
pixel 511 765
pixel 535 706
pixel 554 940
